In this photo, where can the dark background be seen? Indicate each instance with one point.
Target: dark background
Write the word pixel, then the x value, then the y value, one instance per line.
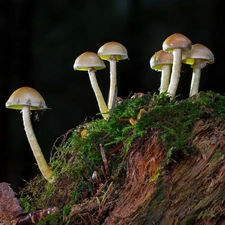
pixel 40 40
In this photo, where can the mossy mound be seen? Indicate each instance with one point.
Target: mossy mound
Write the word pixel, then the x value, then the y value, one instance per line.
pixel 93 162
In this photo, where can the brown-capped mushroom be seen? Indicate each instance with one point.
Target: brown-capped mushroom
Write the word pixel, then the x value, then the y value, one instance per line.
pixel 27 99
pixel 113 52
pixel 176 44
pixel 162 61
pixel 198 57
pixel 90 61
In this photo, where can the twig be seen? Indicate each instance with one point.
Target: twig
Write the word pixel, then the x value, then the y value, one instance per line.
pixel 104 159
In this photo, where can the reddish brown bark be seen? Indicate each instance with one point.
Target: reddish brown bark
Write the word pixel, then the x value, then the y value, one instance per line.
pixel 190 191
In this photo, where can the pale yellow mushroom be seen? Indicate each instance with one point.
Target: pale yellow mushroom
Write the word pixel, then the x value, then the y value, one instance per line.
pixel 113 52
pixel 162 61
pixel 90 61
pixel 198 57
pixel 27 99
pixel 176 44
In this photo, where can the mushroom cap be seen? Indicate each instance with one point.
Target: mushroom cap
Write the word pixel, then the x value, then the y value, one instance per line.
pixel 113 48
pixel 198 52
pixel 88 60
pixel 159 59
pixel 176 40
pixel 26 96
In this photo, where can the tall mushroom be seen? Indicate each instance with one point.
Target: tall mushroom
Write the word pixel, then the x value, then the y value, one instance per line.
pixel 113 52
pixel 27 99
pixel 162 61
pixel 90 61
pixel 176 43
pixel 198 57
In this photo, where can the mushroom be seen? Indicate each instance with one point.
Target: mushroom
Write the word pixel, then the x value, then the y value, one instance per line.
pixel 198 57
pixel 176 43
pixel 90 61
pixel 113 52
pixel 162 61
pixel 27 99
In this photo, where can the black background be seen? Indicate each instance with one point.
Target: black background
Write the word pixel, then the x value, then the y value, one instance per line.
pixel 40 40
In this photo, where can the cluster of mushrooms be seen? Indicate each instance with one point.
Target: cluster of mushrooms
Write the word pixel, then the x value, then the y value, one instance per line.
pixel 90 61
pixel 27 99
pixel 176 49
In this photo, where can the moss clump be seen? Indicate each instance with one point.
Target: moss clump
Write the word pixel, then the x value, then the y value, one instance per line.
pixel 175 119
pixel 80 162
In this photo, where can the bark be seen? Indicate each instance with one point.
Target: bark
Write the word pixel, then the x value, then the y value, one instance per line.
pixel 190 191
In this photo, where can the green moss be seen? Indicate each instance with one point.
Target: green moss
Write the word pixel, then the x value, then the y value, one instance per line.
pixel 78 156
pixel 174 120
pixel 52 219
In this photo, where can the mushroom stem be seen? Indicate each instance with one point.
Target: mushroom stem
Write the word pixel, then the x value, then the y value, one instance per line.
pixel 175 74
pixel 113 81
pixel 98 94
pixel 42 164
pixel 165 78
pixel 195 80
